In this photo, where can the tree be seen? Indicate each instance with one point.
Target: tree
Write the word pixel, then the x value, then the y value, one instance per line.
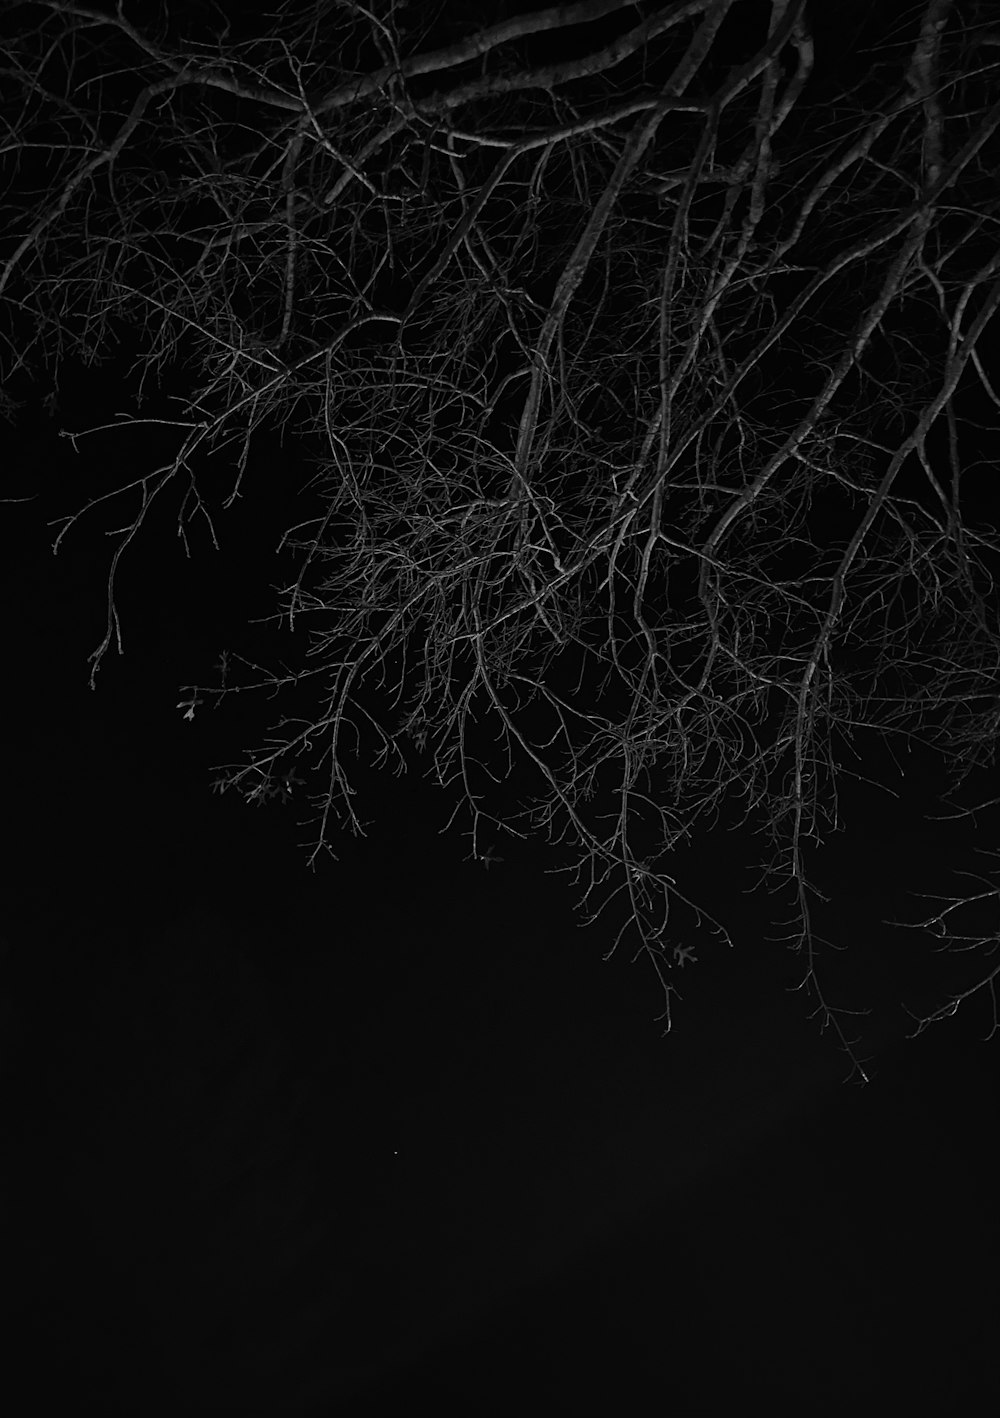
pixel 646 348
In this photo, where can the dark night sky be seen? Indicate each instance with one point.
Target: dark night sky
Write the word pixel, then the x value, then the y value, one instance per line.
pixel 516 1184
pixel 391 1134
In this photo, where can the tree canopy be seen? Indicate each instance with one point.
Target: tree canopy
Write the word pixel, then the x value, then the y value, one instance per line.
pixel 642 356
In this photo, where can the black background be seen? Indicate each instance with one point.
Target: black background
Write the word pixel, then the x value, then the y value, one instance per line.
pixel 392 1133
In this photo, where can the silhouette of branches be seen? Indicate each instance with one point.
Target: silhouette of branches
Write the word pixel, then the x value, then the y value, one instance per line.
pixel 649 389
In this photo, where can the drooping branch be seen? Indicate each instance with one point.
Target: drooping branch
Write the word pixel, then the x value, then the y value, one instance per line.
pixel 643 386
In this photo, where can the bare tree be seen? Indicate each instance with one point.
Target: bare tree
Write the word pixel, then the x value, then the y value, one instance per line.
pixel 648 365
